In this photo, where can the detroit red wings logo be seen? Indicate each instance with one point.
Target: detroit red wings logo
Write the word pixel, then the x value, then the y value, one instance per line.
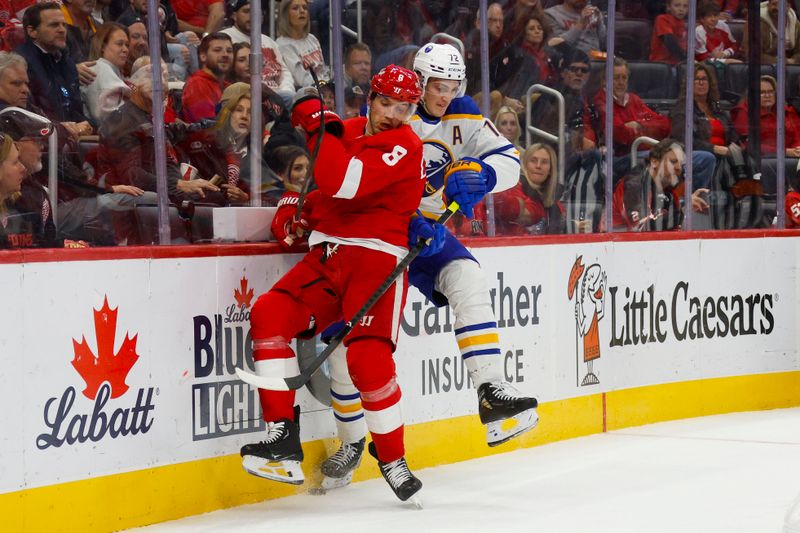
pixel 105 366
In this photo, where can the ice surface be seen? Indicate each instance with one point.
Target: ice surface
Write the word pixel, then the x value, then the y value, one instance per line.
pixel 728 473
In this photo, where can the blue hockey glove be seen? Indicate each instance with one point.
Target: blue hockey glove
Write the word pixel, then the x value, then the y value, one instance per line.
pixel 426 230
pixel 465 184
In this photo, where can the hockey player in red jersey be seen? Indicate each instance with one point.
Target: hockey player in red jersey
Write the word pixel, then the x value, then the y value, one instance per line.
pixel 370 174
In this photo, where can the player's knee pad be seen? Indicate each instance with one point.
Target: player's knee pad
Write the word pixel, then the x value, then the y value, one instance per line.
pixel 266 322
pixel 370 363
pixel 463 283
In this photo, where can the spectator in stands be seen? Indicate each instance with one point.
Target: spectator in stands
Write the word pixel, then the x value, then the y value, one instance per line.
pixel 769 120
pixel 137 43
pixel 526 62
pixel 127 152
pixel 516 18
pixel 101 12
pixel 241 64
pixel 574 74
pixel 358 66
pixel 203 89
pixel 290 165
pixel 650 197
pixel 668 43
pixel 769 34
pixel 14 91
pixel 15 229
pixel 713 38
pixel 632 119
pixel 275 74
pixel 791 203
pixel 730 9
pixel 34 202
pixel 577 24
pixel 507 122
pixel 300 48
pixel 110 50
pixel 199 16
pixel 220 150
pixel 179 48
pixel 80 27
pixel 534 43
pixel 532 206
pixel 472 57
pixel 53 76
pixel 713 130
pixel 14 83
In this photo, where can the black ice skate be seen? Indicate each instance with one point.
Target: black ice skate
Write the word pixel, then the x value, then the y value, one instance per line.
pixel 339 468
pixel 404 484
pixel 505 412
pixel 278 456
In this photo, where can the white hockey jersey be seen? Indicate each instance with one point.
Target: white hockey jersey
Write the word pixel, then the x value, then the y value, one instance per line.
pixel 461 132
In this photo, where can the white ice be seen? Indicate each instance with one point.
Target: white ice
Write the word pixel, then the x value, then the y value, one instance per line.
pixel 728 473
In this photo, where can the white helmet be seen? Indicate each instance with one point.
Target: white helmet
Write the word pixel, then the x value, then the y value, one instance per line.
pixel 440 61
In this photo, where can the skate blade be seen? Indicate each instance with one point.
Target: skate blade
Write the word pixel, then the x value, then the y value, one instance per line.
pixel 332 483
pixel 503 431
pixel 416 501
pixel 281 471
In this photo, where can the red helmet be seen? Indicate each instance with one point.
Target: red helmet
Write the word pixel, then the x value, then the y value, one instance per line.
pixel 398 83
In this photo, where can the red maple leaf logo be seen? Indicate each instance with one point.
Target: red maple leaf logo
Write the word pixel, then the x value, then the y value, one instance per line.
pixel 106 366
pixel 243 297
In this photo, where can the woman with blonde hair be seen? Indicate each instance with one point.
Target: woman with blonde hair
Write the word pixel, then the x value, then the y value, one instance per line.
pixel 15 228
pixel 529 208
pixel 299 47
pixel 507 123
pixel 532 207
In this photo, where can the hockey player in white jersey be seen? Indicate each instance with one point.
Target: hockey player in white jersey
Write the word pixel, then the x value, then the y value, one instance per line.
pixel 466 158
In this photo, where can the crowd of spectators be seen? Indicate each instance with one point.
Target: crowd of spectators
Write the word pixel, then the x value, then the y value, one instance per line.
pixel 85 66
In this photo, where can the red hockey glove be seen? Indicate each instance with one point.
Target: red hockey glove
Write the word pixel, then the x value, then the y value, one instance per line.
pixel 306 114
pixel 285 228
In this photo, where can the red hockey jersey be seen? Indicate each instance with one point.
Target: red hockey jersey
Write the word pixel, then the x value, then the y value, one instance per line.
pixel 370 185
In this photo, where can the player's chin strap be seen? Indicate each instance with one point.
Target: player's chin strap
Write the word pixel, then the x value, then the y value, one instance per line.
pixel 310 175
pixel 295 382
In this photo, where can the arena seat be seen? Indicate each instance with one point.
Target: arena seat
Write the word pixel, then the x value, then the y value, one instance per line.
pixel 633 38
pixel 792 82
pixel 733 84
pixel 737 29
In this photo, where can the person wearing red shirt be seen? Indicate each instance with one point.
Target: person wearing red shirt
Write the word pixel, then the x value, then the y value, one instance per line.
pixel 370 176
pixel 203 89
pixel 199 16
pixel 713 37
pixel 668 44
pixel 531 207
pixel 769 121
pixel 791 206
pixel 632 117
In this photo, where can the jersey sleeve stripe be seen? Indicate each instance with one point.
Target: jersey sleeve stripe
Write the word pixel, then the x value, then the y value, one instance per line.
pixel 352 179
pixel 501 151
pixel 461 116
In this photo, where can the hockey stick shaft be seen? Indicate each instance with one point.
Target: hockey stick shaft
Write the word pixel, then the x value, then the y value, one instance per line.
pixel 313 161
pixel 295 382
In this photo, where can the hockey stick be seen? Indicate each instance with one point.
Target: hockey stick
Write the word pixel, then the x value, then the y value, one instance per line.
pixel 295 382
pixel 313 162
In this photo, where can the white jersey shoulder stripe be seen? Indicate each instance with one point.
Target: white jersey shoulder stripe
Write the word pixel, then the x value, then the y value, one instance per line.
pixel 352 179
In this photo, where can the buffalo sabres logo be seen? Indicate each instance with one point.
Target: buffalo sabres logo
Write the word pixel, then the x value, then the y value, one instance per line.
pixel 437 157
